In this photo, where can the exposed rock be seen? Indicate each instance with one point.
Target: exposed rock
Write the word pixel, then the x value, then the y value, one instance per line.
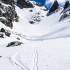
pixel 7 11
pixel 0 56
pixel 2 30
pixel 14 43
pixel 1 36
pixel 66 4
pixel 65 13
pixel 45 9
pixel 18 38
pixel 31 10
pixel 16 18
pixel 53 8
pixel 11 2
pixel 24 4
pixel 7 34
pixel 31 22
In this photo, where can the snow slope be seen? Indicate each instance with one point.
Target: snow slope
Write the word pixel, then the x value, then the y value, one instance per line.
pixel 46 42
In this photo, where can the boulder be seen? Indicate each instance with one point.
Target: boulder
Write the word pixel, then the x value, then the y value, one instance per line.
pixel 31 22
pixel 7 34
pixel 2 30
pixel 14 43
pixel 1 36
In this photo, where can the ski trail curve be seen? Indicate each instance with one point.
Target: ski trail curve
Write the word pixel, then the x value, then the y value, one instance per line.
pixel 16 60
pixel 52 35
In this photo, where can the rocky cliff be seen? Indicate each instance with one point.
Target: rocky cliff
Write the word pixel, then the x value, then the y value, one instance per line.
pixel 7 12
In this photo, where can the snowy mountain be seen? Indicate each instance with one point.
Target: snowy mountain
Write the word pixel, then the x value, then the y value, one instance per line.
pixel 31 40
pixel 49 3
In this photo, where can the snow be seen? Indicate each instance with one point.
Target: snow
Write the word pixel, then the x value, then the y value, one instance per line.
pixel 51 54
pixel 58 1
pixel 46 43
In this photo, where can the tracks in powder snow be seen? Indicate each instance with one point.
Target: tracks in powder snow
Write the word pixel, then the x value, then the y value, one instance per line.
pixel 17 61
pixel 53 35
pixel 35 61
pixel 16 58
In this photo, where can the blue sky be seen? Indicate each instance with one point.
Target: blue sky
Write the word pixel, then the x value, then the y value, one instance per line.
pixel 48 3
pixel 40 1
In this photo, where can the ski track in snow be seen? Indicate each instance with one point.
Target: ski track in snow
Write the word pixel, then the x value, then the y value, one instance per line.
pixel 35 60
pixel 17 61
pixel 16 58
pixel 45 36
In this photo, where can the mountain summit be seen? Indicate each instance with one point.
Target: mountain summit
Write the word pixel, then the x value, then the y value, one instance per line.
pixel 54 6
pixel 66 4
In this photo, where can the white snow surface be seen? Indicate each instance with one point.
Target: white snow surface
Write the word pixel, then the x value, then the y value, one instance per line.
pixel 46 43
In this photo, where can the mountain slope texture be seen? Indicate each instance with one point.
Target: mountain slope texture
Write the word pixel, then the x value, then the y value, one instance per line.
pixel 34 38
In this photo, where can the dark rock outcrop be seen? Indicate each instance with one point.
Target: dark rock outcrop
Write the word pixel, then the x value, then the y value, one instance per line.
pixel 31 22
pixel 7 33
pixel 54 7
pixel 2 30
pixel 66 4
pixel 24 4
pixel 1 36
pixel 11 2
pixel 7 12
pixel 66 11
pixel 14 43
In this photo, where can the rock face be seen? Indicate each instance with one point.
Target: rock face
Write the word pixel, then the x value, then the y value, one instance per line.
pixel 66 4
pixel 7 12
pixel 11 2
pixel 65 13
pixel 54 7
pixel 24 4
